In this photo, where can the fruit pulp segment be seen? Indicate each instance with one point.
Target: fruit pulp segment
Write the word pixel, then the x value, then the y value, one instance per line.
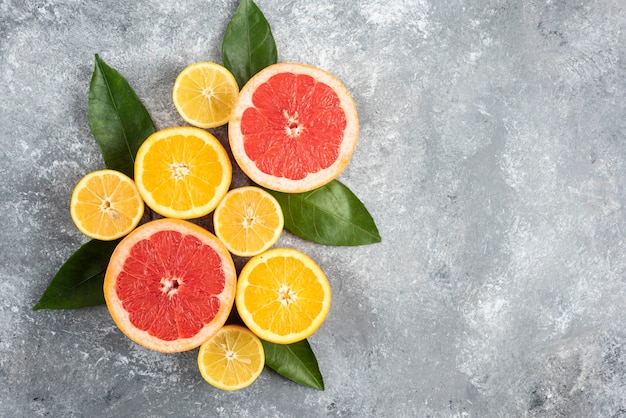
pixel 283 295
pixel 170 285
pixel 104 223
pixel 182 172
pixel 295 126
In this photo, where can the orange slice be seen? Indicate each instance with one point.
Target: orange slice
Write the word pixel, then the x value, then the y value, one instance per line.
pixel 282 295
pixel 106 205
pixel 204 94
pixel 170 285
pixel 232 359
pixel 248 220
pixel 182 172
pixel 294 127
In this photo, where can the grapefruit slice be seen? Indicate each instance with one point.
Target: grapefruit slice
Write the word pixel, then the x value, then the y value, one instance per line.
pixel 170 285
pixel 294 127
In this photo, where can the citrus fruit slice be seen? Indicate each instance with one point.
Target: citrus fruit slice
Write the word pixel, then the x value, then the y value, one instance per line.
pixel 106 205
pixel 294 127
pixel 282 295
pixel 170 285
pixel 248 220
pixel 182 172
pixel 232 359
pixel 204 94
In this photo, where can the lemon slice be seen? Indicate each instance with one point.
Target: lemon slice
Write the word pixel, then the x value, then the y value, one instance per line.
pixel 232 359
pixel 248 220
pixel 106 205
pixel 205 94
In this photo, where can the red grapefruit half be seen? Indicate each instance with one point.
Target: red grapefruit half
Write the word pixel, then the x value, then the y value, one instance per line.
pixel 294 127
pixel 170 285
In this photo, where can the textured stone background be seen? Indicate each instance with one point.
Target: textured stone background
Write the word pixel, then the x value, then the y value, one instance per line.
pixel 492 157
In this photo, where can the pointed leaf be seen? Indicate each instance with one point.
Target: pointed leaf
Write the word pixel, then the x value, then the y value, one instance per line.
pixel 295 361
pixel 248 45
pixel 329 215
pixel 79 281
pixel 118 120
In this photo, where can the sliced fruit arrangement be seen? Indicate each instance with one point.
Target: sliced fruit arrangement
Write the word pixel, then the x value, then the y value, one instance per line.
pixel 204 94
pixel 248 221
pixel 232 359
pixel 182 172
pixel 170 285
pixel 294 127
pixel 106 205
pixel 283 296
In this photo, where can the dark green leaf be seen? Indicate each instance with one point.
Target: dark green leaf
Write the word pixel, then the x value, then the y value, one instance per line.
pixel 78 283
pixel 248 45
pixel 329 215
pixel 118 120
pixel 295 361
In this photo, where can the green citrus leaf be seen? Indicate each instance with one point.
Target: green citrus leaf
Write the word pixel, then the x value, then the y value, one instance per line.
pixel 295 361
pixel 118 120
pixel 248 45
pixel 78 283
pixel 329 215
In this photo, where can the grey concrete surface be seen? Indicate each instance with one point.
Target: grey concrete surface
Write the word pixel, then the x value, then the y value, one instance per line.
pixel 492 157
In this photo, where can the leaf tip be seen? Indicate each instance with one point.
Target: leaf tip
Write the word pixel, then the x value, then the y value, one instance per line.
pixel 377 238
pixel 41 304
